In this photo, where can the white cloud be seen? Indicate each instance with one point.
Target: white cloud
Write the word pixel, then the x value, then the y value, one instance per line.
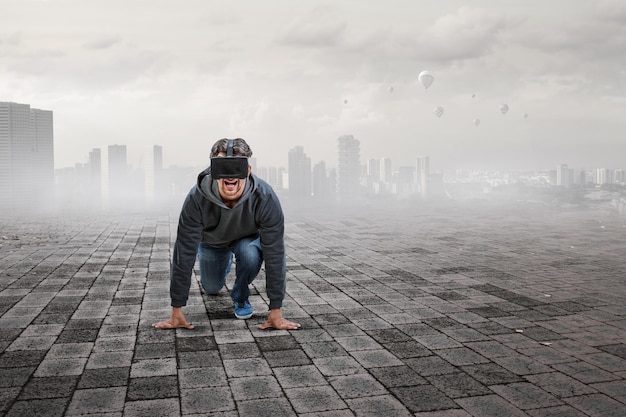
pixel 319 27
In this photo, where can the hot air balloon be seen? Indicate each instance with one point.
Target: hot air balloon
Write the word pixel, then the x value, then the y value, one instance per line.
pixel 525 115
pixel 345 102
pixel 504 108
pixel 438 111
pixel 391 89
pixel 426 79
pixel 476 122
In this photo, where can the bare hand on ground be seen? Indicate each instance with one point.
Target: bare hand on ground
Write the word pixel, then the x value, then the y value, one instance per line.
pixel 175 321
pixel 275 320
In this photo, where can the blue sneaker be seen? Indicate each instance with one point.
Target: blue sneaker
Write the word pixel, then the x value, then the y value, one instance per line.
pixel 243 310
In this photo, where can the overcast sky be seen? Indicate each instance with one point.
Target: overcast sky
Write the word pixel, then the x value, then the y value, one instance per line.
pixel 283 73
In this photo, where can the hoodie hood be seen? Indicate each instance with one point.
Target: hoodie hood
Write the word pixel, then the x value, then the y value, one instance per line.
pixel 209 189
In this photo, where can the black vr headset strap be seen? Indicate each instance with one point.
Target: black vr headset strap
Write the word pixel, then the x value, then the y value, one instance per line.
pixel 229 147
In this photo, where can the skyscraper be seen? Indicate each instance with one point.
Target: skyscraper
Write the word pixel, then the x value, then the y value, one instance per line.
pixel 322 183
pixel 604 176
pixel 26 156
pixel 349 167
pixel 422 173
pixel 384 170
pixel 405 182
pixel 113 174
pixel 299 173
pixel 153 173
pixel 563 176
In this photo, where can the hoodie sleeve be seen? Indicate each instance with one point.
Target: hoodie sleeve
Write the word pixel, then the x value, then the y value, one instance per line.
pixel 271 225
pixel 185 249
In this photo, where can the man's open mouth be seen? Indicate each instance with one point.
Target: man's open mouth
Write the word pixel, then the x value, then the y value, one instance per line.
pixel 230 184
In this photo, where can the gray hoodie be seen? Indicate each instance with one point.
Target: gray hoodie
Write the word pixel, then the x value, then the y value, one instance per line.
pixel 205 218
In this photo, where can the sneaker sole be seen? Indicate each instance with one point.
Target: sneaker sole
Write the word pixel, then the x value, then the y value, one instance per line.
pixel 247 316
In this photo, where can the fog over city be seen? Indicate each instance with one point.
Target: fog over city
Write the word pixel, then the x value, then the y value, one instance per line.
pixel 283 74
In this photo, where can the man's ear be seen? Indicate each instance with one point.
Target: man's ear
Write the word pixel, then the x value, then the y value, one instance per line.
pixel 249 169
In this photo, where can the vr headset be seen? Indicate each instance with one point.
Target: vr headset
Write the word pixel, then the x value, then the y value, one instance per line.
pixel 229 166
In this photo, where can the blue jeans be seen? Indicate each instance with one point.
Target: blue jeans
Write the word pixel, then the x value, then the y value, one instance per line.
pixel 215 265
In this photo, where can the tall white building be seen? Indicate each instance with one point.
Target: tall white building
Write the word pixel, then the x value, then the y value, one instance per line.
pixel 422 174
pixel 299 173
pixel 385 170
pixel 348 167
pixel 604 176
pixel 563 176
pixel 26 156
pixel 153 173
pixel 114 183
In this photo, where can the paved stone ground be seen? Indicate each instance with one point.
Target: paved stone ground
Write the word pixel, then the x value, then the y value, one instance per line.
pixel 411 311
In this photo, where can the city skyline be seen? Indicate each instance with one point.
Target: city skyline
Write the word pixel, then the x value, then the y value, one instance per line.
pixel 138 162
pixel 107 179
pixel 302 74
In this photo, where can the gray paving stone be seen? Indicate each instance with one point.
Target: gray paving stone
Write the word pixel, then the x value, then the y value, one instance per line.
pixel 614 389
pixel 560 385
pixel 199 359
pixel 489 406
pixel 60 367
pixel 423 398
pixel 199 400
pixel 275 407
pixel 584 372
pixel 69 350
pixel 152 388
pixel 49 387
pixel 166 407
pixel 465 334
pixel 453 412
pixel 458 385
pixel 546 355
pixel 153 367
pixel 376 358
pixel 273 343
pixel 461 356
pixel 49 407
pixel 314 399
pixel 104 377
pixel 299 376
pixel 255 387
pixel 378 406
pixel 202 377
pixel 7 397
pixel 97 400
pixel 324 349
pixel 21 358
pixel 109 359
pixel 526 396
pixel 597 405
pixel 357 385
pixel 154 351
pixel 606 361
pixel 521 365
pixel 340 365
pixel 239 350
pixel 236 368
pixel 437 341
pixel 430 365
pixel 618 349
pixel 290 357
pixel 397 376
pixel 560 411
pixel 490 348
